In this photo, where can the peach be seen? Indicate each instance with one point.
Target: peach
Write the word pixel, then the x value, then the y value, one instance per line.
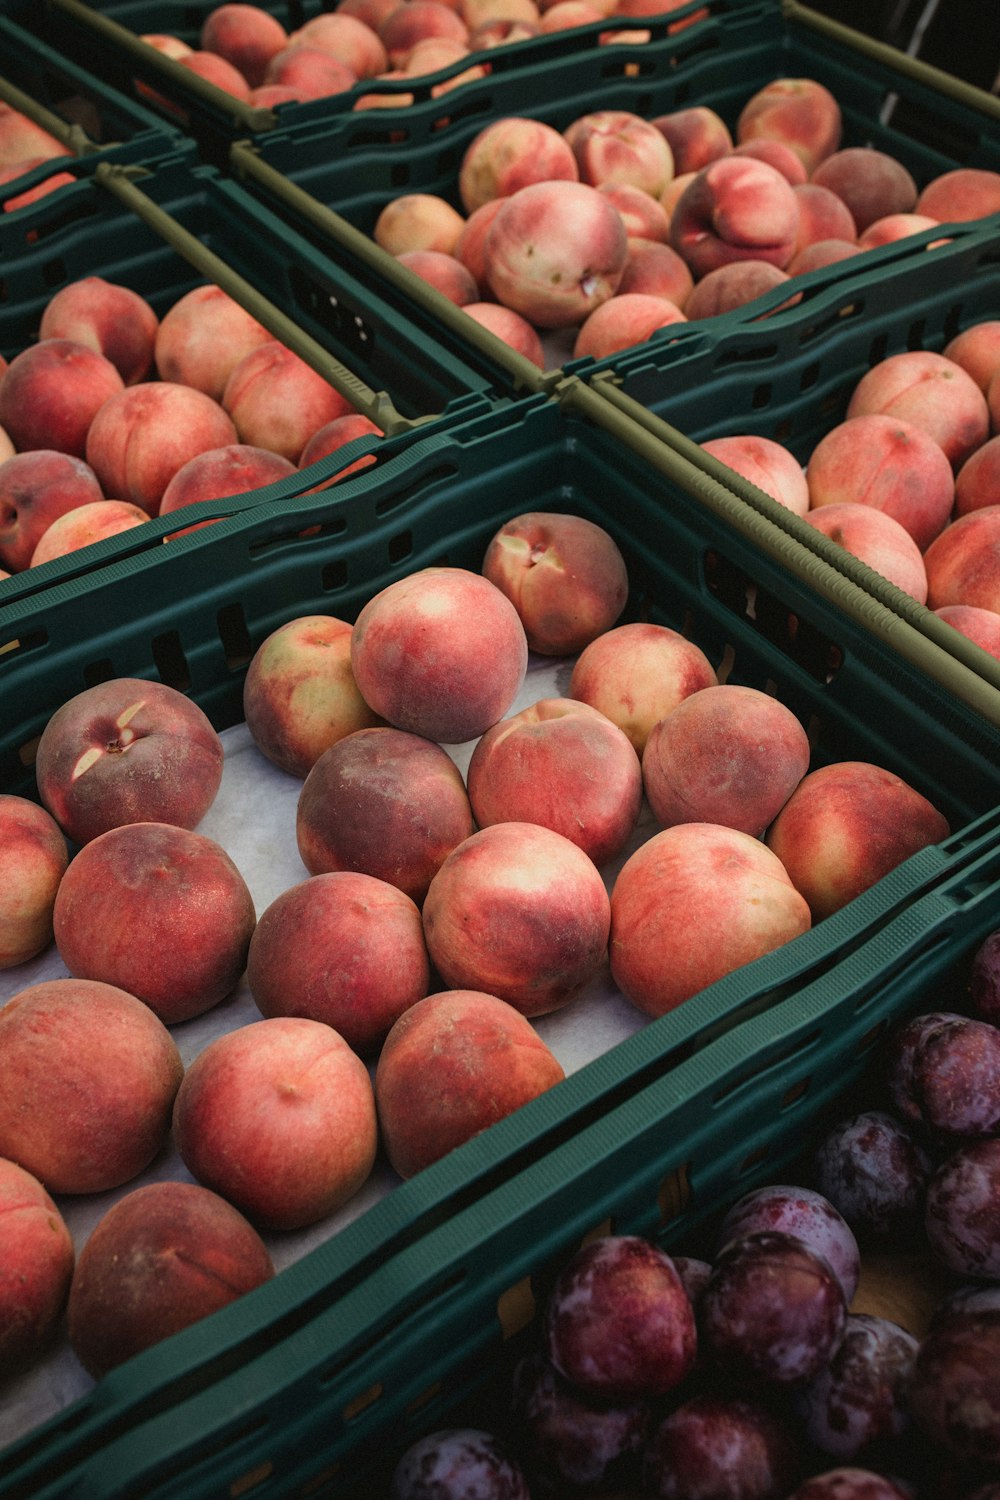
pixel 871 183
pixel 469 246
pixel 452 1065
pixel 372 12
pixel 521 912
pixel 735 209
pixel 84 525
pixel 21 138
pixel 566 15
pixel 508 154
pixel 977 483
pixel 216 70
pixel 114 320
pixel 655 8
pixel 555 251
pixel 386 803
pixel 616 145
pixel 562 764
pixel 977 350
pixel 342 948
pixel 33 860
pixel 144 434
pixel 201 336
pixel 347 38
pixel 820 254
pixel 51 393
pixel 49 184
pixel 269 95
pixel 962 194
pixel 637 674
pixel 893 227
pixel 712 898
pixel 822 215
pixel 160 1259
pixel 777 155
pixel 963 563
pixel 160 911
pixel 889 464
pixel 127 751
pixel 799 112
pixel 90 1075
pixel 499 33
pixel 234 469
pixel 36 488
pixel 877 539
pixel 732 286
pixel 510 327
pixel 278 1117
pixel 766 463
pixel 312 72
pixel 299 694
pixel 644 216
pixel 444 272
pixel 627 318
pixel 333 436
pixel 982 626
pixel 36 1271
pixel 7 449
pixel 930 391
pixel 564 575
pixel 277 401
pixel 441 652
pixel 674 191
pixel 247 36
pixel 845 826
pixel 412 22
pixel 696 135
pixel 729 755
pixel 656 270
pixel 418 221
pixel 476 13
pixel 166 43
pixel 435 53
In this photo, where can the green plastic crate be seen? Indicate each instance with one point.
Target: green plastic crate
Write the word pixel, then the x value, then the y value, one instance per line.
pixel 304 1385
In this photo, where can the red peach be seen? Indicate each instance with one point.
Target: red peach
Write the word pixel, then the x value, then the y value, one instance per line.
pixel 566 15
pixel 277 401
pixel 696 135
pixel 616 145
pixel 127 751
pixel 822 215
pixel 800 112
pixel 729 755
pixel 562 764
pixel 333 436
pixel 674 191
pixel 299 694
pixel 963 563
pixel 644 216
pixel 311 71
pixel 977 483
pixel 48 184
pixel 246 35
pixel 114 320
pixel 201 336
pixel 143 435
pixel 35 489
pixel 160 1259
pixel 169 45
pixel 871 183
pixel 342 948
pixel 521 912
pixel 930 391
pixel 766 463
pixel 508 154
pixel 235 469
pixel 478 13
pixel 445 272
pixel 982 626
pixel 83 526
pixel 656 270
pixel 158 910
pixel 564 575
pixel 509 326
pixel 414 20
pixel 346 38
pixel 637 674
pixel 452 1065
pixel 51 393
pixel 386 803
pixel 555 251
pixel 877 539
pixel 418 221
pixel 268 95
pixel 279 1118
pixel 372 12
pixel 712 898
pixel 33 860
pixel 469 245
pixel 962 194
pixel 90 1075
pixel 893 227
pixel 889 464
pixel 819 255
pixel 977 350
pixel 627 318
pixel 777 155
pixel 216 70
pixel 845 826
pixel 21 138
pixel 734 285
pixel 441 652
pixel 735 209
pixel 36 1271
pixel 499 33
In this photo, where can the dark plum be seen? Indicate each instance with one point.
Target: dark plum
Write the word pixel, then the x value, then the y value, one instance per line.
pixel 618 1322
pixel 458 1463
pixel 984 980
pixel 955 1389
pixel 902 1052
pixel 713 1448
pixel 962 1210
pixel 694 1274
pixel 566 1438
pixel 945 1074
pixel 874 1172
pixel 861 1397
pixel 773 1311
pixel 850 1484
pixel 805 1213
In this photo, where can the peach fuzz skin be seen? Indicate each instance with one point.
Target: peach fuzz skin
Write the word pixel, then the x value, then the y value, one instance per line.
pixel 202 336
pixel 37 1268
pixel 145 433
pixel 342 948
pixel 638 673
pixel 963 563
pixel 933 393
pixel 521 912
pixel 163 1257
pixel 799 112
pixel 564 765
pixel 51 393
pixel 889 464
pixel 713 898
pixel 510 153
pixel 735 209
pixel 279 1118
pixel 454 1064
pixel 85 525
pixel 36 488
pixel 111 319
pixel 90 1075
pixel 33 860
